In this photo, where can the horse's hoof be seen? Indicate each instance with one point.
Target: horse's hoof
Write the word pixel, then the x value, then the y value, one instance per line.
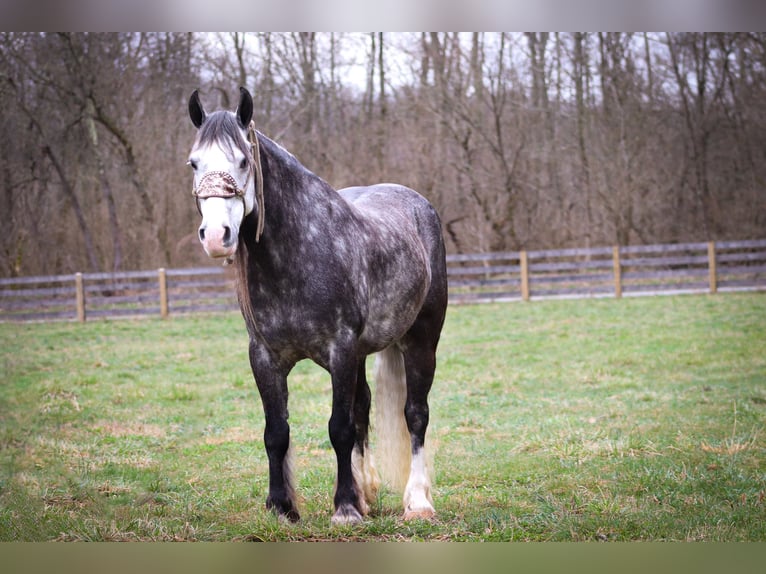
pixel 425 513
pixel 285 511
pixel 346 515
pixel 290 518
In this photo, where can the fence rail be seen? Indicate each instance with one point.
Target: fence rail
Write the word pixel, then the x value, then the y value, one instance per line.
pixel 480 277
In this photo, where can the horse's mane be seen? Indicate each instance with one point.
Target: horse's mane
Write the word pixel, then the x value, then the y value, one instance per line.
pixel 243 286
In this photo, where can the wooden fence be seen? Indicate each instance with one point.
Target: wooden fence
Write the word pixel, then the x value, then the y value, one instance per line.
pixel 84 296
pixel 608 271
pixel 483 277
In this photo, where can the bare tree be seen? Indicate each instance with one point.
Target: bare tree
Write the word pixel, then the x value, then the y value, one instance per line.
pixel 699 87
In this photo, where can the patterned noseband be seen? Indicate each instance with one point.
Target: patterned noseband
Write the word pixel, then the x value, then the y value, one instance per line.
pixel 219 184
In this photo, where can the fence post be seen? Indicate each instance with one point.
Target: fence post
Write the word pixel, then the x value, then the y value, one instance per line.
pixel 80 295
pixel 163 292
pixel 617 271
pixel 524 275
pixel 712 271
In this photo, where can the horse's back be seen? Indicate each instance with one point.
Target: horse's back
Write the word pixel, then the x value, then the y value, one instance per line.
pixel 402 207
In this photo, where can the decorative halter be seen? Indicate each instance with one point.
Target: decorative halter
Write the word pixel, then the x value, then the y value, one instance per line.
pixel 222 183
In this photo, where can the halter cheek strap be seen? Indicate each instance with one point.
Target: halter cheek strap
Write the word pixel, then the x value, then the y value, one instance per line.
pixel 253 137
pixel 222 183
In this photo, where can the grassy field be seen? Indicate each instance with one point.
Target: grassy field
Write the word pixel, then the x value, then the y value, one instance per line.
pixel 633 419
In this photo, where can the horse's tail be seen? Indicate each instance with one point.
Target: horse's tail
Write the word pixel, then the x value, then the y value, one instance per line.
pixel 393 451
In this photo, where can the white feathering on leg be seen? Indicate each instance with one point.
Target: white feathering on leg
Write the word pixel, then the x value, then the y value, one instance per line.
pixel 417 495
pixel 366 478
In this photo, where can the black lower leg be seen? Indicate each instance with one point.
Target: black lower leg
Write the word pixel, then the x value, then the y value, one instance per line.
pixel 342 437
pixel 281 498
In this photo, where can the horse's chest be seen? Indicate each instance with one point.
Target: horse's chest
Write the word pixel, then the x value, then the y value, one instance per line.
pixel 300 323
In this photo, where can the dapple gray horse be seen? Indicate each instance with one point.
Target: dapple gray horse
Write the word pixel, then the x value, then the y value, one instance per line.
pixel 332 276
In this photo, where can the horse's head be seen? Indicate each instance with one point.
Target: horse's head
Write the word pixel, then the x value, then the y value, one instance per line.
pixel 225 174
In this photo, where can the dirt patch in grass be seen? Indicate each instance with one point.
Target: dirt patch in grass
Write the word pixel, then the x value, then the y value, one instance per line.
pixel 122 429
pixel 235 435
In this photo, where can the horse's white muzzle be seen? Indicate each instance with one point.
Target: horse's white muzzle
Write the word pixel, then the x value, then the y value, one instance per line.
pixel 219 231
pixel 218 241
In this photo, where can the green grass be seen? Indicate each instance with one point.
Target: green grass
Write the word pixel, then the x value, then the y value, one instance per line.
pixel 637 419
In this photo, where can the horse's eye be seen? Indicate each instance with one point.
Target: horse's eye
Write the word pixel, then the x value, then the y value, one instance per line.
pixel 192 163
pixel 243 163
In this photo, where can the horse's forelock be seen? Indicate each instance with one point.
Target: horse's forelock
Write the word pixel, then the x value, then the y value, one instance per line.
pixel 222 129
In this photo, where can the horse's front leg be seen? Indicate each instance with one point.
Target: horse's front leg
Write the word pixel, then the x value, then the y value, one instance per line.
pixel 349 501
pixel 272 386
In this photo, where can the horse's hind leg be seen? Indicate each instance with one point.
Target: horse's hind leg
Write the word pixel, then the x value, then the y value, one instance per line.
pixel 419 364
pixel 419 351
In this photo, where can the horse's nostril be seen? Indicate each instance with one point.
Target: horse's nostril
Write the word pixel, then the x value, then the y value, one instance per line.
pixel 202 234
pixel 226 235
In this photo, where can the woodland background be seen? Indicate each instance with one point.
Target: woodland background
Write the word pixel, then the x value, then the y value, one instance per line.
pixel 521 140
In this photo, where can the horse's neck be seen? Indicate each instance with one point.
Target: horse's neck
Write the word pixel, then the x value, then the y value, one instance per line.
pixel 295 201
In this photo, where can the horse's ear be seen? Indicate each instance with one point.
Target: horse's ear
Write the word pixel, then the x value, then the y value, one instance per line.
pixel 196 111
pixel 245 108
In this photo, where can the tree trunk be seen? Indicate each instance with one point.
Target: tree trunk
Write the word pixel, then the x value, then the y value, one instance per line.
pixel 106 189
pixel 580 74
